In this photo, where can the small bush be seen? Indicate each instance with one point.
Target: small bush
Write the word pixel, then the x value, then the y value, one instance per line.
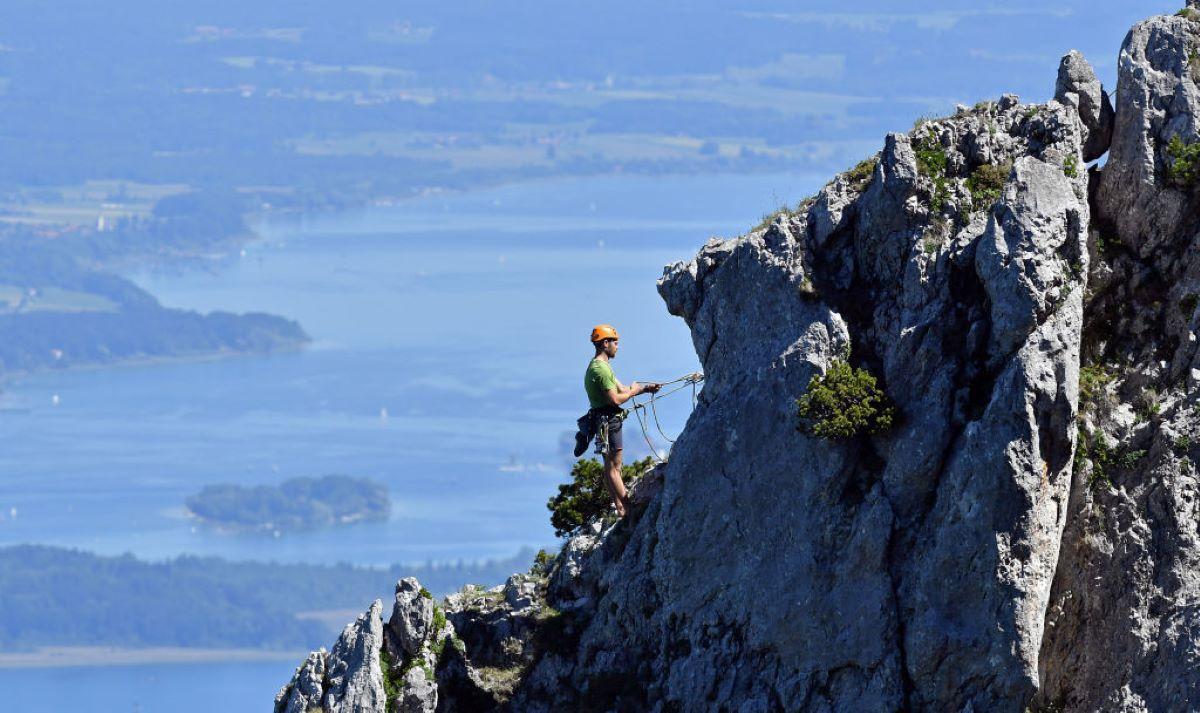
pixel 1184 169
pixel 1071 166
pixel 932 163
pixel 986 184
pixel 393 681
pixel 426 593
pixel 1189 14
pixel 931 155
pixel 844 402
pixel 1099 453
pixel 542 562
pixel 585 499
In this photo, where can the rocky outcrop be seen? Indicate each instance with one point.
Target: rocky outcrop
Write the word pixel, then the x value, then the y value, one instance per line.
pixel 970 315
pixel 370 671
pixel 1079 88
pixel 1123 626
pixel 412 617
pixel 353 678
pixel 307 687
pixel 1023 536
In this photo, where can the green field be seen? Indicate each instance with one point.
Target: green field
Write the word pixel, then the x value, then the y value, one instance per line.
pixel 20 300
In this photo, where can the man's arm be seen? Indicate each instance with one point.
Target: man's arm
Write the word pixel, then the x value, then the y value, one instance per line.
pixel 621 394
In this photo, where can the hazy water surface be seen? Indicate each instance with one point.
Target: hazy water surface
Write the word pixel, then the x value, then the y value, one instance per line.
pixel 449 343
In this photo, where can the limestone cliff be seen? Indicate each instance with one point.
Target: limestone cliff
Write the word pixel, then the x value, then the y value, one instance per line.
pixel 1024 536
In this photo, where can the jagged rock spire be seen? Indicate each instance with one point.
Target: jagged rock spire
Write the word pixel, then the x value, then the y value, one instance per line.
pixel 1077 86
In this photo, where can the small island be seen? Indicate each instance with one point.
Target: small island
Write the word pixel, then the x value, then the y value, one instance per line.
pixel 295 504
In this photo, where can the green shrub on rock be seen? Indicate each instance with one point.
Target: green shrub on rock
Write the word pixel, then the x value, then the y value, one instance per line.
pixel 844 402
pixel 932 162
pixel 585 498
pixel 986 183
pixel 1184 169
pixel 1071 166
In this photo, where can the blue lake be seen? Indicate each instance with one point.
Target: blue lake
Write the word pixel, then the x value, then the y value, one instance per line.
pixel 159 688
pixel 450 338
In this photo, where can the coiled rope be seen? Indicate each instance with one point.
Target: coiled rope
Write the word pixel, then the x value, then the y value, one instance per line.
pixel 639 409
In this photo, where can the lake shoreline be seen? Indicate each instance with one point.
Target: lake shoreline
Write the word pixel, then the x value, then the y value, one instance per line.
pixel 92 656
pixel 7 378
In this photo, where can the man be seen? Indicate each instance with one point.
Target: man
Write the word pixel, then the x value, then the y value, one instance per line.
pixel 606 395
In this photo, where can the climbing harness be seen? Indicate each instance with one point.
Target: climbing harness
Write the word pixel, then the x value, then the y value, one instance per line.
pixel 603 421
pixel 639 409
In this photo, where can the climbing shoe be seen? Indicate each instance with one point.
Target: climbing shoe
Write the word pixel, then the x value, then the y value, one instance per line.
pixel 581 443
pixel 586 426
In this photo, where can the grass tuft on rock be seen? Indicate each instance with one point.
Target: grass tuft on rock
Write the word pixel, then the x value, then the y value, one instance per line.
pixel 932 162
pixel 986 183
pixel 1093 380
pixel 860 176
pixel 393 681
pixel 842 403
pixel 1104 457
pixel 1071 166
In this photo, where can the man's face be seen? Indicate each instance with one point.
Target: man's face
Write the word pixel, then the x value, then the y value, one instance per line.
pixel 610 347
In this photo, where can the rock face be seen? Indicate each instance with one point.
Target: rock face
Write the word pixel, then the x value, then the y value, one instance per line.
pixel 1022 538
pixel 412 617
pixel 971 316
pixel 1123 625
pixel 1078 88
pixel 353 679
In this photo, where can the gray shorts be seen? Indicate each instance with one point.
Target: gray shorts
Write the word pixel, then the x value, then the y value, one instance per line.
pixel 616 441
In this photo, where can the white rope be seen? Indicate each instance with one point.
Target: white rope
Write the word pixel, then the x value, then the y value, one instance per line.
pixel 639 410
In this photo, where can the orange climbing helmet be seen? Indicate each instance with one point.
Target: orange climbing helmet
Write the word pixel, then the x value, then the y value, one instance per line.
pixel 603 331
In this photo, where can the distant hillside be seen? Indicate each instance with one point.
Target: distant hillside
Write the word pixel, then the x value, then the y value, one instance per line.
pixel 59 309
pixel 51 596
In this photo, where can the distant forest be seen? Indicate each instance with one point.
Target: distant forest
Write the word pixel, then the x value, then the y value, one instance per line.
pixel 52 596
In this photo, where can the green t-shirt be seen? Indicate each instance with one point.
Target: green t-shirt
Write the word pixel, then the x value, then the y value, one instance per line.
pixel 597 380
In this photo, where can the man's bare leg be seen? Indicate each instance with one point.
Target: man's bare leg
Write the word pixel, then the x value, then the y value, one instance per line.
pixel 616 486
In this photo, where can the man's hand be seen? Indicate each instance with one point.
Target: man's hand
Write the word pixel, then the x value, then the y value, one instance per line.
pixel 651 388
